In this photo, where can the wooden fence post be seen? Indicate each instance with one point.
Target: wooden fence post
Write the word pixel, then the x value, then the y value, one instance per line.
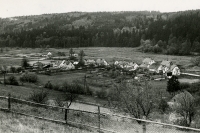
pixel 9 104
pixel 66 115
pixel 144 125
pixel 99 122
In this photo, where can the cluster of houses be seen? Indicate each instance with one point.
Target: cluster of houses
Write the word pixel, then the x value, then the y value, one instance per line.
pixel 153 66
pixel 158 67
pixel 164 66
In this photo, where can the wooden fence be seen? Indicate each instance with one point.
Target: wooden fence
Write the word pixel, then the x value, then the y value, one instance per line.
pixel 66 121
pixel 98 113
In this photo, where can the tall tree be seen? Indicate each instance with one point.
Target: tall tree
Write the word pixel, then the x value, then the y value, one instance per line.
pixel 135 99
pixel 81 56
pixel 173 85
pixel 24 62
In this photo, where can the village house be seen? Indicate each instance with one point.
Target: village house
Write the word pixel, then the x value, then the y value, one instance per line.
pixel 155 67
pixel 147 62
pixel 166 65
pixel 132 66
pixel 123 64
pixel 101 62
pixel 135 66
pixel 175 70
pixel 49 55
pixel 66 65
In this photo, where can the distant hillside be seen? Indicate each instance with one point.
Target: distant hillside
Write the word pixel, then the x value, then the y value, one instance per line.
pixel 112 29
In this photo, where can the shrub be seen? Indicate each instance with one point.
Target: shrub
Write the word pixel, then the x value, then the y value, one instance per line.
pixel 76 88
pixel 196 61
pixel 56 87
pixel 89 91
pixel 181 122
pixel 13 69
pixel 19 69
pixel 101 94
pixel 12 81
pixel 163 106
pixel 29 78
pixel 39 97
pixel 157 49
pixel 48 85
pixel 61 53
pixel 194 87
pixel 184 86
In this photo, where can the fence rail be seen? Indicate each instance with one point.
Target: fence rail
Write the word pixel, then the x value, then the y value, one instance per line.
pixel 98 113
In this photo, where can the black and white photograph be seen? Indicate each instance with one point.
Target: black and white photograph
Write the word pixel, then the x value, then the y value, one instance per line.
pixel 99 66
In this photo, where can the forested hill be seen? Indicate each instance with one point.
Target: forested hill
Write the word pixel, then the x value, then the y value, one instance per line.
pixel 113 29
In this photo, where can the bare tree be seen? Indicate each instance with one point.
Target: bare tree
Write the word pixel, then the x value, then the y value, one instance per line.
pixel 135 98
pixel 70 97
pixel 186 107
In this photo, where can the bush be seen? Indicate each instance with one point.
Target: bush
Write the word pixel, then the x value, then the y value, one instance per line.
pixel 56 87
pixel 29 78
pixel 12 81
pixel 39 97
pixel 181 122
pixel 48 85
pixel 76 88
pixel 163 106
pixel 101 94
pixel 19 69
pixel 184 86
pixel 194 87
pixel 61 53
pixel 157 49
pixel 196 61
pixel 13 69
pixel 89 91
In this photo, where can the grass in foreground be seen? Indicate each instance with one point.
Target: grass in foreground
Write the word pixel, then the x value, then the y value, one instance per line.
pixel 21 124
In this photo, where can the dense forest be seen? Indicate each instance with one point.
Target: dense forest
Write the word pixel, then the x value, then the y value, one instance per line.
pixel 170 33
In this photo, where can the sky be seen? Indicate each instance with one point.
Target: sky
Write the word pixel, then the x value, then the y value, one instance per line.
pixel 11 8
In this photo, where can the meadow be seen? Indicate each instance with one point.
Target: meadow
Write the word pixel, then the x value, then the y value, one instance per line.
pixel 108 53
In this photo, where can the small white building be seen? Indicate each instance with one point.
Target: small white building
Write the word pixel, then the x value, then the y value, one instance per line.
pixel 66 65
pixel 175 70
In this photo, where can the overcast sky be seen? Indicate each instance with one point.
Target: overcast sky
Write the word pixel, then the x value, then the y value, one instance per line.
pixel 10 8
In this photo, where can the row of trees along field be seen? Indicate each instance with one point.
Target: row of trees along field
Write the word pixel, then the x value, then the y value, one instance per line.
pixel 170 33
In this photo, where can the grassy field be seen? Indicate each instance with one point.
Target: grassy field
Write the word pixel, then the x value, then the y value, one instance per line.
pixel 16 123
pixel 11 123
pixel 110 54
